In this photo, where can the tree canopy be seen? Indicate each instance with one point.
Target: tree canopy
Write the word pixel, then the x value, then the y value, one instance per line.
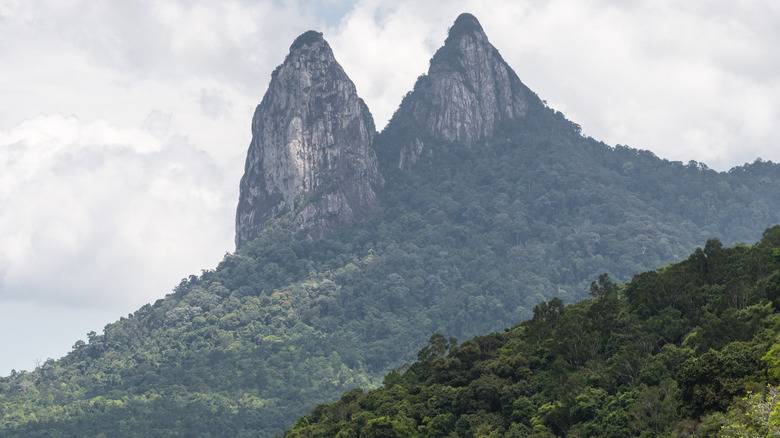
pixel 699 364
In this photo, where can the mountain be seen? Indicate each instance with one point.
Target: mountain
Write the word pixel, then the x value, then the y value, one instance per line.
pixel 688 350
pixel 468 92
pixel 311 153
pixel 466 238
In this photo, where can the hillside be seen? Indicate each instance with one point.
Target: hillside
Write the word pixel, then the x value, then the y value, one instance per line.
pixel 468 235
pixel 674 352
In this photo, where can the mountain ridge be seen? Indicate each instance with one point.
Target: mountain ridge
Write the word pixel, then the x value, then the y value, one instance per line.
pixel 465 240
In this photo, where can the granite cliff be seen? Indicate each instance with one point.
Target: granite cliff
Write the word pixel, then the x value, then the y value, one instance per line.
pixel 468 92
pixel 311 158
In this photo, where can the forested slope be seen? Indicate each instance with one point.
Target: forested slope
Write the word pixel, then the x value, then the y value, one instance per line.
pixel 466 240
pixel 674 352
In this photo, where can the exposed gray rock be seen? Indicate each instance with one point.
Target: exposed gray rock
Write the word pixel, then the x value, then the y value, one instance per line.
pixel 410 153
pixel 468 91
pixel 311 154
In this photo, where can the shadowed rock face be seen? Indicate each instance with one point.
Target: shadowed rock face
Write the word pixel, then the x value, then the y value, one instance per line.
pixel 468 91
pixel 311 154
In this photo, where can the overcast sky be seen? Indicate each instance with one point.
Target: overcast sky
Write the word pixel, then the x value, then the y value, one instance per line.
pixel 124 124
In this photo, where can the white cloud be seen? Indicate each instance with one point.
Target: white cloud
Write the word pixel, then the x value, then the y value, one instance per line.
pixel 90 213
pixel 121 153
pixel 384 49
pixel 214 104
pixel 654 73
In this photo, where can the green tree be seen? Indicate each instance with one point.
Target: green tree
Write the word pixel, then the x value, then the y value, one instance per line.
pixel 758 417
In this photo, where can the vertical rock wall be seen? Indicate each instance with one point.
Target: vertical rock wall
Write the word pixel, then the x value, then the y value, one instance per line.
pixel 311 154
pixel 468 91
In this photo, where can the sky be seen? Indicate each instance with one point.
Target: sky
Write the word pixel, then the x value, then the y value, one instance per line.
pixel 125 123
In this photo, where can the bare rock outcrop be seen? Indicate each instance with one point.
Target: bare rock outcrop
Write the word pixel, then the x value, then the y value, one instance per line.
pixel 468 91
pixel 311 155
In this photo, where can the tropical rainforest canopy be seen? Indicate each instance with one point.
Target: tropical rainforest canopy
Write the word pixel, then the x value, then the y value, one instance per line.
pixel 690 349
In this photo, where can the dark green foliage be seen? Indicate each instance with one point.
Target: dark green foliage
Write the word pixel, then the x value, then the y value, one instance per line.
pixel 709 382
pixel 465 24
pixel 307 38
pixel 603 367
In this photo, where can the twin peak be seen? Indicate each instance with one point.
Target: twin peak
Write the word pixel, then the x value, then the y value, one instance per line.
pixel 312 160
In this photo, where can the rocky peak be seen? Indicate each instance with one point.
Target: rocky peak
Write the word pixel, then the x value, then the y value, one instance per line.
pixel 311 158
pixel 468 91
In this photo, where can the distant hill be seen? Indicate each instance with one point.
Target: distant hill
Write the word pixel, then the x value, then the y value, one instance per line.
pixel 691 349
pixel 476 203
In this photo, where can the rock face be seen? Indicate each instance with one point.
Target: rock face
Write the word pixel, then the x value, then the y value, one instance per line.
pixel 468 91
pixel 311 155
